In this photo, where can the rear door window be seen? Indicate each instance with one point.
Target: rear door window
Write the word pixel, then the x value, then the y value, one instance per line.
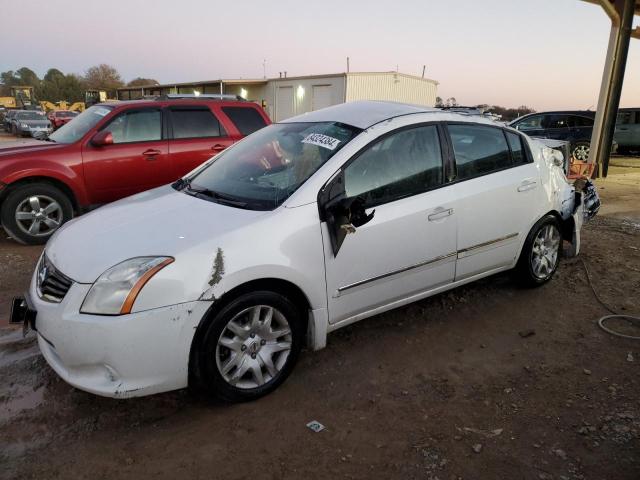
pixel 195 123
pixel 246 119
pixel 579 121
pixel 556 121
pixel 479 150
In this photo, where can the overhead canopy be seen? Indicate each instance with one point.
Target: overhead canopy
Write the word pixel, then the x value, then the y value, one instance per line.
pixel 621 13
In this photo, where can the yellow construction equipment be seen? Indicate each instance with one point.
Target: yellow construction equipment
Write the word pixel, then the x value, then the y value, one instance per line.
pixel 62 105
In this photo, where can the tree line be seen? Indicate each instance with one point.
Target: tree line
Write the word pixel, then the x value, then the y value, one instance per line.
pixel 56 85
pixel 507 114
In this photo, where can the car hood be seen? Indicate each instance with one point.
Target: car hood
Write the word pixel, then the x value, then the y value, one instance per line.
pixel 11 149
pixel 161 222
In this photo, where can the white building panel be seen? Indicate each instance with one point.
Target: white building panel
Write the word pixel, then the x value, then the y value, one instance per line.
pixel 391 86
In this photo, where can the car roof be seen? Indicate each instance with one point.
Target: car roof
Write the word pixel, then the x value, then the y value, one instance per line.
pixel 361 114
pixel 562 112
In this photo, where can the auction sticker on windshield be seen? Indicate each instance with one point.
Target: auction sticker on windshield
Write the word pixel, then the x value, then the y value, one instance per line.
pixel 321 140
pixel 101 111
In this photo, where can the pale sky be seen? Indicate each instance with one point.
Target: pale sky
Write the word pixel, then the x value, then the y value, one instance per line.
pixel 547 54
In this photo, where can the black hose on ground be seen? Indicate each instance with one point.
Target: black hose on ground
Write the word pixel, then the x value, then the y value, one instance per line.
pixel 601 321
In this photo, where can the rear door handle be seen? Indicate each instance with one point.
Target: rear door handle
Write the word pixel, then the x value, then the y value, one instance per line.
pixel 218 147
pixel 527 185
pixel 439 214
pixel 151 153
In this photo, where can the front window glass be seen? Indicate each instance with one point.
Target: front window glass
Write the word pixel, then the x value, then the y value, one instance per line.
pixel 403 164
pixel 530 123
pixel 263 170
pixel 136 126
pixel 74 131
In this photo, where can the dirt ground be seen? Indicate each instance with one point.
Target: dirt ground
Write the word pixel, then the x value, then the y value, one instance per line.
pixel 488 381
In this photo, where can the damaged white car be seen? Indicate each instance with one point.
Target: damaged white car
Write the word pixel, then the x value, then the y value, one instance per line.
pixel 306 226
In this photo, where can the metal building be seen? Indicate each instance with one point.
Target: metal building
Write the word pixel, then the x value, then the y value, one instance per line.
pixel 285 97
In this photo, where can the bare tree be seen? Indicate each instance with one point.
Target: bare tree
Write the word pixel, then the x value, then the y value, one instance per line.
pixel 103 77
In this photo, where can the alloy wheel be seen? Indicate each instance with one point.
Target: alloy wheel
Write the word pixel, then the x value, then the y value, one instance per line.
pixel 544 253
pixel 253 347
pixel 581 153
pixel 38 215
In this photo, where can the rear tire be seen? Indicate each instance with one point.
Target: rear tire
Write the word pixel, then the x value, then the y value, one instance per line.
pixel 540 254
pixel 250 347
pixel 32 212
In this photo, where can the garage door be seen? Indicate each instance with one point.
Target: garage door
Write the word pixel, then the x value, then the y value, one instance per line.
pixel 284 103
pixel 321 96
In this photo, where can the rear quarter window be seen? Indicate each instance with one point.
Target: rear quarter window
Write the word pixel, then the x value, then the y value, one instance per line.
pixel 246 119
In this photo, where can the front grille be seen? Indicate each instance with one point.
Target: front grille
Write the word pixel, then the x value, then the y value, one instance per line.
pixel 53 285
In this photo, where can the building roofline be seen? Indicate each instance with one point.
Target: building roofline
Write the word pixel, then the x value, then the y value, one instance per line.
pixel 239 81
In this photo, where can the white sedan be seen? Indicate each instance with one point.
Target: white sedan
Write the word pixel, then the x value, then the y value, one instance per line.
pixel 306 226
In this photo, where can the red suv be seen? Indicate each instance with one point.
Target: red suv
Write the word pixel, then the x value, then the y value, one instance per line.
pixel 113 150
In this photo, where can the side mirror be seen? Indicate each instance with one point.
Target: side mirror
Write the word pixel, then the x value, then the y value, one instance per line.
pixel 343 216
pixel 102 139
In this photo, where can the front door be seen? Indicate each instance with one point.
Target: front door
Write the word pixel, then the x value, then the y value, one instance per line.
pixel 390 234
pixel 136 161
pixel 496 190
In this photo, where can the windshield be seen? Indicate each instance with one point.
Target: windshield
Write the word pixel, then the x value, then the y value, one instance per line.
pixel 73 131
pixel 66 114
pixel 265 168
pixel 29 116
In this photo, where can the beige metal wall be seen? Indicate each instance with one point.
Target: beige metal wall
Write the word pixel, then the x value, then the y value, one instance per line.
pixel 303 88
pixel 391 86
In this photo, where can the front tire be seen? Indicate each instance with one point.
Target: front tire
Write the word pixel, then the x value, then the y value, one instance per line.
pixel 250 347
pixel 540 254
pixel 32 212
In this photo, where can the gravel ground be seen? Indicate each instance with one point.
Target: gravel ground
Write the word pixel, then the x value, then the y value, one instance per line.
pixel 487 381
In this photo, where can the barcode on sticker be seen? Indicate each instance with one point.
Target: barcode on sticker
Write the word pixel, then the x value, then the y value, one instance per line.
pixel 315 426
pixel 321 140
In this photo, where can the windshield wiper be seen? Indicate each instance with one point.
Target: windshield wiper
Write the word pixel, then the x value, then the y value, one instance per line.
pixel 220 197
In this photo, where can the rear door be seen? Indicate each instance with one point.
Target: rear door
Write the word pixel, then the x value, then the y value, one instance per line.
pixel 556 126
pixel 496 190
pixel 196 135
pixel 137 161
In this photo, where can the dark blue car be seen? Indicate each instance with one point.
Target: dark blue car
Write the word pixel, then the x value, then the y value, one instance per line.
pixel 572 126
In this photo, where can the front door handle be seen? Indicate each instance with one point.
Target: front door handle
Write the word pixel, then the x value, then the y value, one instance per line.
pixel 440 214
pixel 151 153
pixel 218 147
pixel 527 185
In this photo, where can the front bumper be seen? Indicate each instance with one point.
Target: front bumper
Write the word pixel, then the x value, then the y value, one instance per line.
pixel 117 356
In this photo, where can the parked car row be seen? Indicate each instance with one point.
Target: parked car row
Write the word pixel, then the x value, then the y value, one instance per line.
pixel 576 127
pixel 218 279
pixel 26 123
pixel 111 151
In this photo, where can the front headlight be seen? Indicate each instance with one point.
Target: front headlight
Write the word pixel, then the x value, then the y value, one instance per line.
pixel 116 290
pixel 24 125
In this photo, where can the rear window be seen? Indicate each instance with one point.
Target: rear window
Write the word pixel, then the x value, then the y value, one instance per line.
pixel 246 119
pixel 194 123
